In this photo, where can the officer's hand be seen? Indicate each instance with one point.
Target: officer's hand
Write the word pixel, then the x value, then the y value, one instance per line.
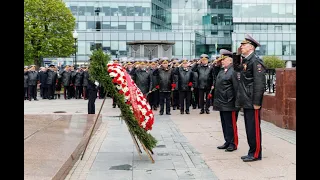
pixel 256 107
pixel 212 87
pixel 96 83
pixel 150 91
pixel 199 62
pixel 239 50
pixel 192 89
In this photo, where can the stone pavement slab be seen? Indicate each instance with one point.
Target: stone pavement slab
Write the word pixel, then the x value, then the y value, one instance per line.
pixel 186 145
pixel 53 143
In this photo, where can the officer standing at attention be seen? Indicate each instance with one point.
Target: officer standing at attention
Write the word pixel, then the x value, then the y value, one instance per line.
pixel 250 94
pixel 226 85
pixel 92 95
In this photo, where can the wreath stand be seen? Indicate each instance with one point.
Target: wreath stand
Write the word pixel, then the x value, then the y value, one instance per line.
pixel 134 138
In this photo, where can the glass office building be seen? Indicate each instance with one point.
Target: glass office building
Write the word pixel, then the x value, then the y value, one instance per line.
pixel 118 22
pixel 271 22
pixel 195 26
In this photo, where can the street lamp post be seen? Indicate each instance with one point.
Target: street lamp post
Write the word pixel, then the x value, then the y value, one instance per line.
pixel 183 24
pixel 75 37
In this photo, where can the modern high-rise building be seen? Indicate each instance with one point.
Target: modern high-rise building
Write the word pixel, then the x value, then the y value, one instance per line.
pixel 271 22
pixel 195 26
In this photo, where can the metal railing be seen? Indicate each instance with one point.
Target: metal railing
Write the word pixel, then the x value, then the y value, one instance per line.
pixel 270 80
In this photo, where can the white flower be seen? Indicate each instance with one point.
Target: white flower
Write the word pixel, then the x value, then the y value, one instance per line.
pixel 140 107
pixel 125 89
pixel 112 74
pixel 118 87
pixel 127 97
pixel 148 106
pixel 144 111
pixel 143 102
pixel 148 131
pixel 143 124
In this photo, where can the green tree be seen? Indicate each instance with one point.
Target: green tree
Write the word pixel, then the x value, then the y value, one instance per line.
pixel 272 62
pixel 48 27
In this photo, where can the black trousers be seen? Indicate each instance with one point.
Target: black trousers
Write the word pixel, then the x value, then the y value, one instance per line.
pixel 92 99
pixel 102 92
pixel 184 96
pixel 44 92
pixel 154 98
pixel 51 90
pixel 175 98
pixel 79 90
pixel 72 91
pixel 26 93
pixel 229 127
pixel 195 100
pixel 32 91
pixel 84 92
pixel 164 96
pixel 204 93
pixel 252 123
pixel 67 92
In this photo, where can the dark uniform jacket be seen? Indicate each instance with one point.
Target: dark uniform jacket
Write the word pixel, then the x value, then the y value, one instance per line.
pixel 66 78
pixel 226 86
pixel 78 79
pixel 52 77
pixel 165 78
pixel 26 79
pixel 143 79
pixel 252 81
pixel 184 77
pixel 205 76
pixel 43 76
pixel 85 78
pixel 33 77
pixel 154 78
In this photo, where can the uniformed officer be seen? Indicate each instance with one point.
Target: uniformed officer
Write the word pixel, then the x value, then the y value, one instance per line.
pixel 226 85
pixel 51 81
pixel 185 85
pixel 154 96
pixel 165 79
pixel 142 77
pixel 250 94
pixel 92 92
pixel 66 80
pixel 175 94
pixel 33 78
pixel 26 93
pixel 205 80
pixel 85 82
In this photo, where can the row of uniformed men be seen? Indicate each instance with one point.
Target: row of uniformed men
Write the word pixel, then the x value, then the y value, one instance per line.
pixel 236 79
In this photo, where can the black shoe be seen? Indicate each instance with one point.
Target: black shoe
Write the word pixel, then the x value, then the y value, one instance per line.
pixel 178 107
pixel 29 99
pixel 224 146
pixel 58 96
pixel 250 159
pixel 194 107
pixel 230 149
pixel 201 112
pixel 168 113
pixel 161 113
pixel 114 106
pixel 181 112
pixel 207 112
pixel 243 157
pixel 154 108
pixel 174 108
pixel 36 99
pixel 187 112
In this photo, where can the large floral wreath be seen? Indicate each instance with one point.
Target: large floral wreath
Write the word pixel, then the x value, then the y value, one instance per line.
pixel 133 96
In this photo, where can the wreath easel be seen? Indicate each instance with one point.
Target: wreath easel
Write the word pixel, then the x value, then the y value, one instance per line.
pixel 135 110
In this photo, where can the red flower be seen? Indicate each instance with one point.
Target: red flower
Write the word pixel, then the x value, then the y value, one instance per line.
pixel 190 84
pixel 173 86
pixel 121 92
pixel 128 102
pixel 114 81
pixel 127 93
pixel 109 70
pixel 157 87
pixel 209 96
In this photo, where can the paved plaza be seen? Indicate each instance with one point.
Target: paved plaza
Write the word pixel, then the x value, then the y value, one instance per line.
pixel 186 148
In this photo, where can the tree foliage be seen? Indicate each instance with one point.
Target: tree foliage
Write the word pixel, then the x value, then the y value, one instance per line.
pixel 48 27
pixel 98 71
pixel 272 62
